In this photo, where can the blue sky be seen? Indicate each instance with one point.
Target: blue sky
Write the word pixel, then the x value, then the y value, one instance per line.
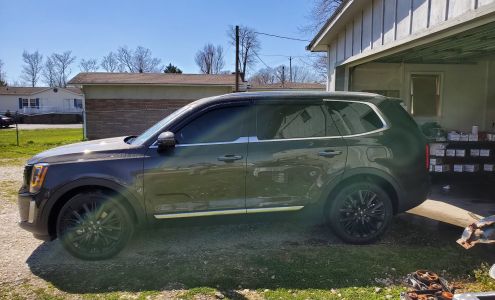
pixel 173 30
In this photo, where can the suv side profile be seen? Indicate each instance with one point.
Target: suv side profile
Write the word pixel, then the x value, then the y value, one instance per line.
pixel 359 158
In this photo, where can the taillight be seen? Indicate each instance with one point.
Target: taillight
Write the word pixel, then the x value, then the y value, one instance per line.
pixel 427 154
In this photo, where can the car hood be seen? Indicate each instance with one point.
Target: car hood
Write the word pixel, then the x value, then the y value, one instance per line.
pixel 91 150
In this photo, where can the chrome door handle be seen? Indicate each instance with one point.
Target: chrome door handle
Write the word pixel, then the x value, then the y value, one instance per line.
pixel 229 157
pixel 329 153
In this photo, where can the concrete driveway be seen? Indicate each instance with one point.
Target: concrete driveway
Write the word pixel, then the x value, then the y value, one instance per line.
pixel 45 126
pixel 460 205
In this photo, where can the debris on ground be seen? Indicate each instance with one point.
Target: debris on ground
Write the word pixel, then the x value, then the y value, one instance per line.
pixel 482 231
pixel 427 285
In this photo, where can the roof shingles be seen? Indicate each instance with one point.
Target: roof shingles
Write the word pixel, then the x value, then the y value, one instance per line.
pixel 100 78
pixel 22 90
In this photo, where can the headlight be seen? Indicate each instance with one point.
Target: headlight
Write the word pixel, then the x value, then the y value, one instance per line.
pixel 37 177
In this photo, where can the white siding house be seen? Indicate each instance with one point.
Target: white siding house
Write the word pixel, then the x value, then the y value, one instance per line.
pixel 437 55
pixel 41 100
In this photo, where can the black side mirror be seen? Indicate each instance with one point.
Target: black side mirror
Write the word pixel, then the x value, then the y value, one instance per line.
pixel 166 140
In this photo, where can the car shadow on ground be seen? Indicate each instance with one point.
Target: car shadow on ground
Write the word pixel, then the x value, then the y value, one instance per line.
pixel 256 254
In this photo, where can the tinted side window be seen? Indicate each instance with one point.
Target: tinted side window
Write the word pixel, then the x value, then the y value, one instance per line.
pixel 354 117
pixel 224 124
pixel 296 120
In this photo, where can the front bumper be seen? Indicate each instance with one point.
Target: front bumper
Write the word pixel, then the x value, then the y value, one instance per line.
pixel 30 217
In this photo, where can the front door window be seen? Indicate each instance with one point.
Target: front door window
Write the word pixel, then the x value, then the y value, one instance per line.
pixel 206 171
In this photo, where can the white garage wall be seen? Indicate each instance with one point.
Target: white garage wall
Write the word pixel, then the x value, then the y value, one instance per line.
pixel 464 90
pixel 490 97
pixel 379 23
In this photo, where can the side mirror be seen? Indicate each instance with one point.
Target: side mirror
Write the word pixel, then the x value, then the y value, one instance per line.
pixel 492 272
pixel 166 140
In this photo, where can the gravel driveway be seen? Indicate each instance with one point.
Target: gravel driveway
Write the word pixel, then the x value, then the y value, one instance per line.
pixel 183 254
pixel 25 259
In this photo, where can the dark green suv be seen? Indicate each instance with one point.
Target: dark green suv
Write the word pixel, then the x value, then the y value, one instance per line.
pixel 357 158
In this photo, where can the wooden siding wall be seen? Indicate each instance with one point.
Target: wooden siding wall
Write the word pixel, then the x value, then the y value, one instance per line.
pixel 384 21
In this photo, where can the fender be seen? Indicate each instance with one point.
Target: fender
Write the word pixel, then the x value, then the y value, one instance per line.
pixel 134 200
pixel 348 173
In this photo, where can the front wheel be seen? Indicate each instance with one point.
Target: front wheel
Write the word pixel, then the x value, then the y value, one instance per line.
pixel 360 213
pixel 94 226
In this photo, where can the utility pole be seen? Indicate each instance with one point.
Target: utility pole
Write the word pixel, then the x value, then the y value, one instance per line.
pixel 237 58
pixel 283 76
pixel 290 68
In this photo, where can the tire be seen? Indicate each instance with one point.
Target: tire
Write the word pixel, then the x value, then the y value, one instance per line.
pixel 94 226
pixel 360 213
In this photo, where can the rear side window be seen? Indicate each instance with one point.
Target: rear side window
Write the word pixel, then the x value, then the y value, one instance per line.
pixel 293 120
pixel 354 117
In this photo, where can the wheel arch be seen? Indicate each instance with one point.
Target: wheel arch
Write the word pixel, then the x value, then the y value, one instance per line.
pixel 62 195
pixel 380 178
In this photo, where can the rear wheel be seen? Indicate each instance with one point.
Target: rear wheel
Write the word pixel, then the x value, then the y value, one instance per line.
pixel 360 213
pixel 94 226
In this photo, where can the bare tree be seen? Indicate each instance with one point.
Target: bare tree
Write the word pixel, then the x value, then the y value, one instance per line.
pixel 144 62
pixel 62 63
pixel 3 77
pixel 89 65
pixel 280 74
pixel 320 13
pixel 124 57
pixel 33 65
pixel 304 74
pixel 263 76
pixel 249 45
pixel 140 60
pixel 110 63
pixel 210 59
pixel 320 65
pixel 49 73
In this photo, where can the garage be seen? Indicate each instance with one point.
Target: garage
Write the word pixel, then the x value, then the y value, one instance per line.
pixel 438 57
pixel 118 104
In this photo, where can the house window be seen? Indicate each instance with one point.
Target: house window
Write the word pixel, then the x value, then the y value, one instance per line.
pixel 25 102
pixel 34 103
pixel 78 103
pixel 425 95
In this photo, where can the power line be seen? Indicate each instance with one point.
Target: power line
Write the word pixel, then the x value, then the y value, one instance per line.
pixel 259 58
pixel 282 55
pixel 282 37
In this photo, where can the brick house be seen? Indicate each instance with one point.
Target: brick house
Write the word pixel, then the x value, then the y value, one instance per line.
pixel 118 104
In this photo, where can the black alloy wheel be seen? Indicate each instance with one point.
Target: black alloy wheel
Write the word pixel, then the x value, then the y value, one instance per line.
pixel 94 226
pixel 360 213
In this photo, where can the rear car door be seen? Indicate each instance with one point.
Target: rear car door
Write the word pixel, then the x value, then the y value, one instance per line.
pixel 295 153
pixel 205 173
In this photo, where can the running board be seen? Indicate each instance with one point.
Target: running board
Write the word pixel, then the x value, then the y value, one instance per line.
pixel 228 212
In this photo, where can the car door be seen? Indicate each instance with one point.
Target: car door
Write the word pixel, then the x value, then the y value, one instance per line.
pixel 297 150
pixel 204 174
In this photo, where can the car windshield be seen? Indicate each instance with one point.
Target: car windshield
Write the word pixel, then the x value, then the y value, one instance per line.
pixel 143 137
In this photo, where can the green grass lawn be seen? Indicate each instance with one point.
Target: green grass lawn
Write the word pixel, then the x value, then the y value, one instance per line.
pixel 32 142
pixel 295 271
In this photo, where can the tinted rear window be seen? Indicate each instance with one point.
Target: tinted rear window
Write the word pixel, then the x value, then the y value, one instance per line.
pixel 294 120
pixel 354 117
